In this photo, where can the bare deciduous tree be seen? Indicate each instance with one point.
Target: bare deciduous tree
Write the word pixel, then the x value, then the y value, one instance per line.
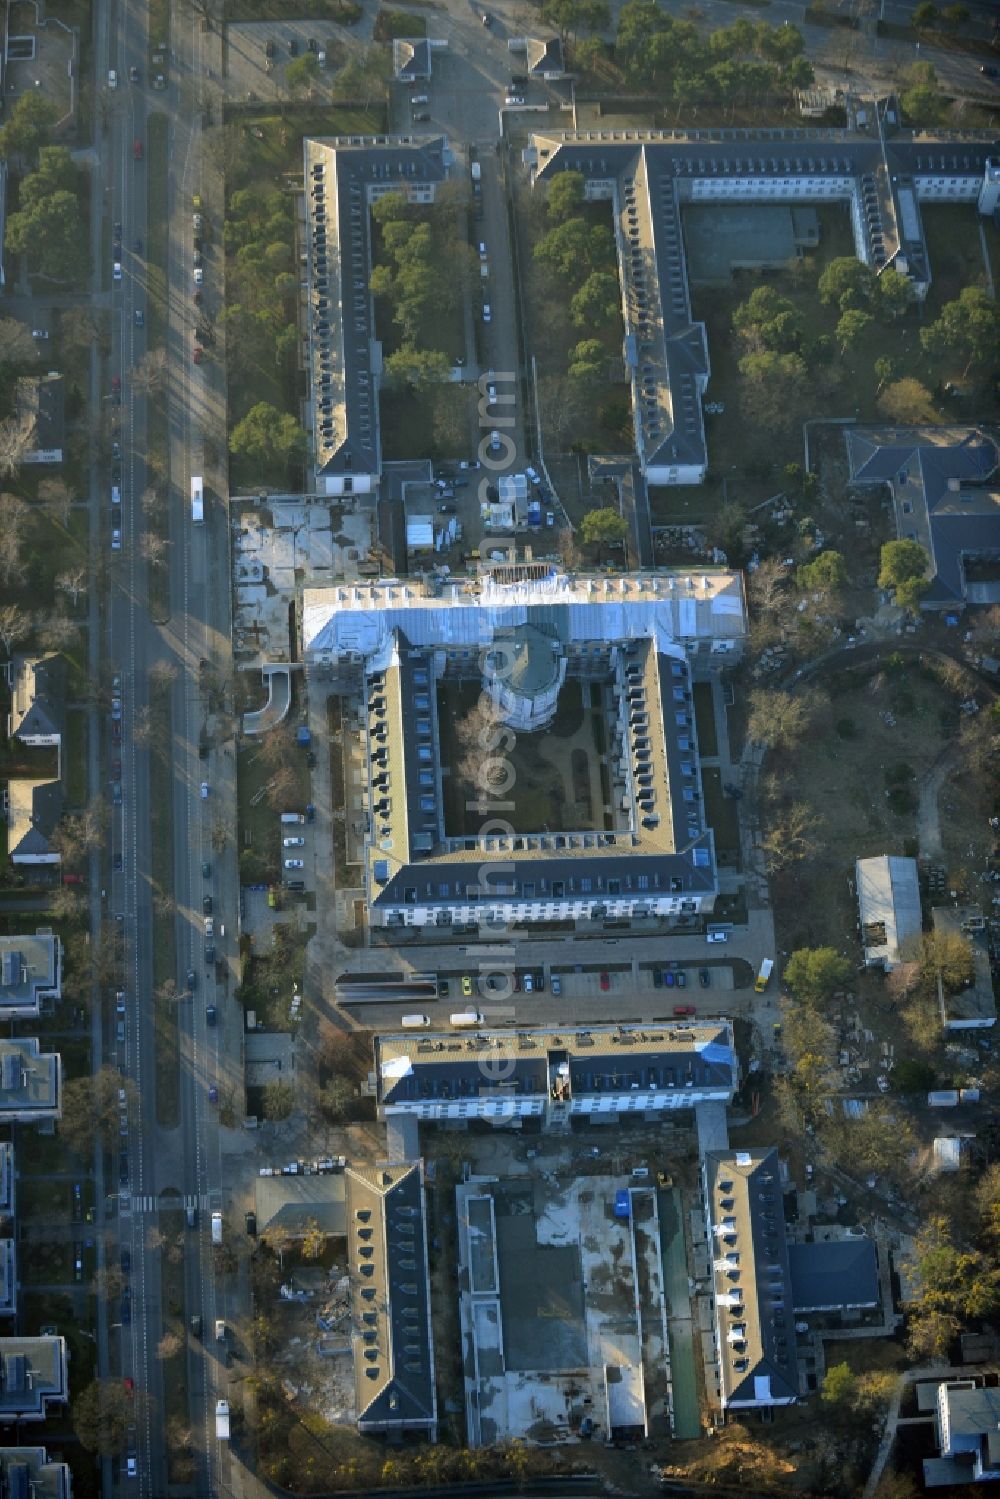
pixel 15 625
pixel 779 719
pixel 56 498
pixel 56 632
pixel 17 438
pixel 16 341
pixel 73 582
pixel 150 374
pixel 13 519
pixel 152 501
pixel 163 673
pixel 153 548
pixel 792 837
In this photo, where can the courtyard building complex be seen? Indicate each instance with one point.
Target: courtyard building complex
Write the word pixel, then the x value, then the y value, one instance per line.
pixel 881 175
pixel 517 639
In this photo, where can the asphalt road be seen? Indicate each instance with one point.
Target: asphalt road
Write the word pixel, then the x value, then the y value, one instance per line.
pixel 186 1160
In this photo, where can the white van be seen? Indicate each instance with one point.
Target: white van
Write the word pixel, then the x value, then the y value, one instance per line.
pixel 220 1330
pixel 295 817
pixel 415 1022
pixel 216 1228
pixel 116 495
pixel 466 1018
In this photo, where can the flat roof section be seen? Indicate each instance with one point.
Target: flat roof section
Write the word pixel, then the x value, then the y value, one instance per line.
pixel 483 1277
pixel 541 1289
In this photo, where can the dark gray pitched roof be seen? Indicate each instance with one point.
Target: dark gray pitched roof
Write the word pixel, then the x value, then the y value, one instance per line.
pixel 750 1258
pixel 345 357
pixel 601 1059
pixel 833 1274
pixel 941 483
pixel 43 398
pixel 676 855
pixel 387 1253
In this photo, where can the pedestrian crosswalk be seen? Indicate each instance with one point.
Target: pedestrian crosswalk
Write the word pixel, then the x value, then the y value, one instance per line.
pixel 149 1204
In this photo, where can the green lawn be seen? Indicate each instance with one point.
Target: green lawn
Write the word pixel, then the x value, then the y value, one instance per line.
pixel 47 1263
pixel 75 757
pixel 42 1199
pixel 343 12
pixel 175 1328
pixel 268 156
pixel 260 830
pixel 704 717
pixel 722 815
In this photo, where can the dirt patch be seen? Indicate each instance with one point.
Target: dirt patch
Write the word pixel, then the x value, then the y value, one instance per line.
pixel 883 731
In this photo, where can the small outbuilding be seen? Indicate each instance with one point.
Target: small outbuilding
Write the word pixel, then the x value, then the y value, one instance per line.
pixel 888 909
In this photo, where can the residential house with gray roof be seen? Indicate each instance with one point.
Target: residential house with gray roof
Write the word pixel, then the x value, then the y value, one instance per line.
pixel 30 972
pixel 945 489
pixel 34 1375
pixel 40 403
pixel 387 1250
pixel 411 59
pixel 33 809
pixel 30 1081
pixel 28 1473
pixel 37 690
pixel 881 177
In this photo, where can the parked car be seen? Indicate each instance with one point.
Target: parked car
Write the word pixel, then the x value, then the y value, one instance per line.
pixel 704 977
pixel 681 979
pixel 685 1010
pixel 556 984
pixel 466 984
pixel 293 843
pixel 295 863
pixel 529 983
pixel 657 979
pixel 605 981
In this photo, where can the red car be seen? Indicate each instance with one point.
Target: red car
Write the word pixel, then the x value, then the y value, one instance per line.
pixel 116 383
pixel 129 1384
pixel 605 981
pixel 685 1010
pixel 72 879
pixel 137 149
pixel 198 352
